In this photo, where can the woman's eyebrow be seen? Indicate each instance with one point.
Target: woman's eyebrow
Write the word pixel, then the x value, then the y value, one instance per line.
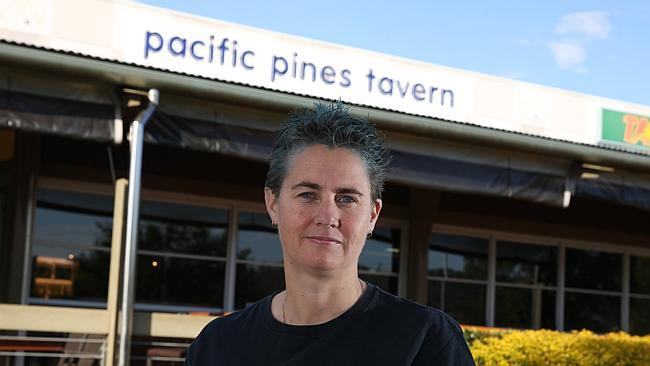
pixel 346 190
pixel 318 187
pixel 306 184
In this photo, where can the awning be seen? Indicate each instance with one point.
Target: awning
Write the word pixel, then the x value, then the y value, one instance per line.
pixel 492 175
pixel 195 134
pixel 77 115
pixel 57 115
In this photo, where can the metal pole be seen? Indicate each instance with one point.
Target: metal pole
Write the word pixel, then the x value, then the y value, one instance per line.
pixel 132 216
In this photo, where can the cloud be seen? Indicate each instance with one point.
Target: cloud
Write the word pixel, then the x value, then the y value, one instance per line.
pixel 569 55
pixel 594 24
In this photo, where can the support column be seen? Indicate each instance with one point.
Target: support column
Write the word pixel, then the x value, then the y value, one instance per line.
pixel 114 276
pixel 423 207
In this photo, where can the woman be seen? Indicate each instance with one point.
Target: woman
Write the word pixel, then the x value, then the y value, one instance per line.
pixel 323 191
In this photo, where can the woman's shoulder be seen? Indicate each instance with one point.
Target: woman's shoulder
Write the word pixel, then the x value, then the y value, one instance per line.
pixel 404 311
pixel 426 333
pixel 227 325
pixel 224 337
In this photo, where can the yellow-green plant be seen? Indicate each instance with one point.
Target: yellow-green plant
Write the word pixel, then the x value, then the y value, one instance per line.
pixel 545 348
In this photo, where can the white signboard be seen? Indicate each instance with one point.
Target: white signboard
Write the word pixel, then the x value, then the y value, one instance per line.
pixel 279 62
pixel 148 36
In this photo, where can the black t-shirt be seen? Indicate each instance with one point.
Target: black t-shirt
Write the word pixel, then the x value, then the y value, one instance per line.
pixel 380 329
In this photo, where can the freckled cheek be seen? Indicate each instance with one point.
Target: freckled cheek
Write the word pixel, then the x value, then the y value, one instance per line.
pixel 298 215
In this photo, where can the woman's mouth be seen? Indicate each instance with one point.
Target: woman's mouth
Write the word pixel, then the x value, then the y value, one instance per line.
pixel 324 240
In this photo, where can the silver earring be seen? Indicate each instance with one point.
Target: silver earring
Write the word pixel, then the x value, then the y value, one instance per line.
pixel 369 234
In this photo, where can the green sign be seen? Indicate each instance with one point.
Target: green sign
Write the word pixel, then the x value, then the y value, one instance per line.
pixel 626 128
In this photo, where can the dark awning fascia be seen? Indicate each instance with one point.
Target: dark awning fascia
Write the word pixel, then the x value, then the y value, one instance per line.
pixel 58 116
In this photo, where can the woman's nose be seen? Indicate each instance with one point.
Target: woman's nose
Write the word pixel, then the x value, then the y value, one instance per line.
pixel 328 214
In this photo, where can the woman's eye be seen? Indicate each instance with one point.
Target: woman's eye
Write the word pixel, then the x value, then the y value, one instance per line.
pixel 347 199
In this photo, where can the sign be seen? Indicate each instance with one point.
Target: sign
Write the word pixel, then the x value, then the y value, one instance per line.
pixel 626 128
pixel 146 36
pixel 279 62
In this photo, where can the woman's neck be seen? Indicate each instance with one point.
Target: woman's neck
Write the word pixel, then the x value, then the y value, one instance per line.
pixel 309 301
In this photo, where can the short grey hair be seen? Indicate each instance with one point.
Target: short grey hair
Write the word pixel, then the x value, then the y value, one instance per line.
pixel 332 125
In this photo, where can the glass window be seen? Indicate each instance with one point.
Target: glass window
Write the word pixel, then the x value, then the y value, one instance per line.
pixel 169 227
pixel 69 274
pixel 465 302
pixel 599 313
pixel 434 294
pixel 455 256
pixel 68 219
pixel 526 264
pixel 255 282
pixel 379 260
pixel 257 239
pixel 639 316
pixel 461 257
pixel 181 255
pixel 259 256
pixel 386 283
pixel 381 252
pixel 180 281
pixel 70 247
pixel 590 269
pixel 524 308
pixel 640 275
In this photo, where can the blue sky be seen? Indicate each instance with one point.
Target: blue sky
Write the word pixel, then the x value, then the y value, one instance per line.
pixel 595 47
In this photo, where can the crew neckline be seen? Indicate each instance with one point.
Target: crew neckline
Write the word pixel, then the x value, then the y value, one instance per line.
pixel 316 330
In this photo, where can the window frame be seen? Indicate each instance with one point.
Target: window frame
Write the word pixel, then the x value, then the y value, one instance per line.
pixel 562 244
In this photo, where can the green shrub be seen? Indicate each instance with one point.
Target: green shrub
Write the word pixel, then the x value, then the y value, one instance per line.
pixel 545 347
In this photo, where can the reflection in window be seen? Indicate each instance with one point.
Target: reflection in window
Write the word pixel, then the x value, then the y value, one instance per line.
pixel 169 227
pixel 640 316
pixel 526 264
pixel 381 252
pixel 379 260
pixel 600 313
pixel 259 259
pixel 257 239
pixel 168 280
pixel 465 302
pixel 455 256
pixel 524 308
pixel 255 282
pixel 457 267
pixel 70 247
pixel 181 255
pixel 386 283
pixel 527 304
pixel 590 269
pixel 640 275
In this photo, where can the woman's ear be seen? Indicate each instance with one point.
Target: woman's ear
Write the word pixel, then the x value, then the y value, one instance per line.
pixel 271 204
pixel 374 214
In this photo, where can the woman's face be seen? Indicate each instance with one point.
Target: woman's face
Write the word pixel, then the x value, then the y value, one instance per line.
pixel 324 210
